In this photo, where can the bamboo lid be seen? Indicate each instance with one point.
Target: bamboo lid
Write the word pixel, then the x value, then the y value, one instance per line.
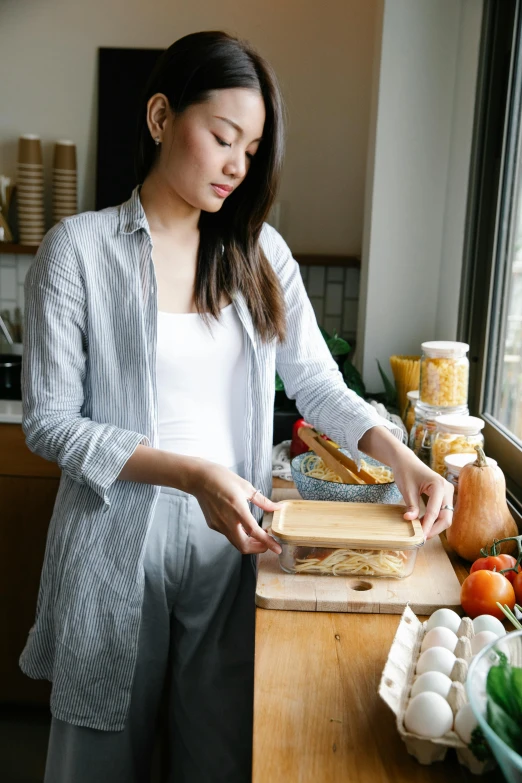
pixel 337 524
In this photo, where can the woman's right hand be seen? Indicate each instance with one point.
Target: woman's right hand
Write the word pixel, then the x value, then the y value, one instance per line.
pixel 224 500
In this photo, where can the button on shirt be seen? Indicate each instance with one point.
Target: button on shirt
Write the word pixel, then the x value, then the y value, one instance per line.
pixel 89 398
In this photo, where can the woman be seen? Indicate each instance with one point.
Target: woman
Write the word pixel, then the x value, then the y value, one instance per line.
pixel 153 332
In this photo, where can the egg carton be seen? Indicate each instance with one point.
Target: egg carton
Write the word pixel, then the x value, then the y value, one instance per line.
pixel 395 686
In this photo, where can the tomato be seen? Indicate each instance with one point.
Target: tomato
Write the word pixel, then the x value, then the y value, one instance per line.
pixel 517 586
pixel 496 563
pixel 482 589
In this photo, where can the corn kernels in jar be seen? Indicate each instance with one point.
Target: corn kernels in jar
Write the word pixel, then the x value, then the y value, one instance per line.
pixel 444 374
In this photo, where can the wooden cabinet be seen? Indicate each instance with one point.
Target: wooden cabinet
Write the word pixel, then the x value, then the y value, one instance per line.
pixel 28 487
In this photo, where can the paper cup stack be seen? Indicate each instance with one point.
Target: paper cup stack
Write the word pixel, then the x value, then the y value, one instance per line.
pixel 30 190
pixel 64 180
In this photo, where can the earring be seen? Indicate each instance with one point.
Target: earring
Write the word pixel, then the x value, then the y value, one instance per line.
pixel 157 140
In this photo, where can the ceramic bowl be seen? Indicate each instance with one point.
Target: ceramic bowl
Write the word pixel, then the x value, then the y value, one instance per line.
pixel 317 489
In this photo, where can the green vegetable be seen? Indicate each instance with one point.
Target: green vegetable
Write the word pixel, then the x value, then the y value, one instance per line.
pixel 510 616
pixel 504 726
pixel 479 746
pixel 500 687
pixel 504 705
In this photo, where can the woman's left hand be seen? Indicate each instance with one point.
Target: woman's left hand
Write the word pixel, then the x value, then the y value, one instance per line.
pixel 414 479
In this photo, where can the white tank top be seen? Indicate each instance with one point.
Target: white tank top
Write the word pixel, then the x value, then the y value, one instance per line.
pixel 201 384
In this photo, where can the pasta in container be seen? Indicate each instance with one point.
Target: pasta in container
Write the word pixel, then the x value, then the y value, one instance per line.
pixel 444 374
pixel 455 435
pixel 423 430
pixel 313 466
pixel 330 538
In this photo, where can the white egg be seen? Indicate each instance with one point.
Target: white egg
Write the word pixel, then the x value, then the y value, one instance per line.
pixel 429 715
pixel 440 637
pixel 445 617
pixel 465 723
pixel 436 659
pixel 481 639
pixel 486 622
pixel 436 682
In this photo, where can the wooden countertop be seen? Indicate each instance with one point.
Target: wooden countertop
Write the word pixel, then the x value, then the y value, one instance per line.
pixel 317 715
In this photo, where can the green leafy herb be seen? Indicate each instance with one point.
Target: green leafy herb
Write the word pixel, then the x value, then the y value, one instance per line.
pixel 504 705
pixel 499 686
pixel 479 745
pixel 516 689
pixel 503 725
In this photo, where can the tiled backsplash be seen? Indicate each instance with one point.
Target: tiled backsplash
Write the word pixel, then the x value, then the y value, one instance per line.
pixel 12 275
pixel 333 291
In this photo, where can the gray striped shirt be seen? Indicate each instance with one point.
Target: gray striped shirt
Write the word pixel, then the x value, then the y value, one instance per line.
pixel 89 398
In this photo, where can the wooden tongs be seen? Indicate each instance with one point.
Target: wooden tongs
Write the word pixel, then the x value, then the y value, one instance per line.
pixel 345 467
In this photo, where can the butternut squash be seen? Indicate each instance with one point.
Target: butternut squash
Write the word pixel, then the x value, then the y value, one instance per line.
pixel 481 513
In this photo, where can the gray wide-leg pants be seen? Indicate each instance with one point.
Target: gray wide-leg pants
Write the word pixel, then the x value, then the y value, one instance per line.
pixel 197 634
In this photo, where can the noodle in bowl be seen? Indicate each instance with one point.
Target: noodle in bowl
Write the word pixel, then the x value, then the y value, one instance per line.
pixel 313 488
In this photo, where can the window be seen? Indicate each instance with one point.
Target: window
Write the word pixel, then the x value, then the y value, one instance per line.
pixel 491 293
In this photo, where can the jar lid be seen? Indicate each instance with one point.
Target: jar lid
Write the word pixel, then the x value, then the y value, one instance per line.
pixel 413 396
pixel 455 462
pixel 460 425
pixel 430 412
pixel 445 349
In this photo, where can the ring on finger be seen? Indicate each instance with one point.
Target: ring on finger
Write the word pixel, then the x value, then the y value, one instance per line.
pixel 447 508
pixel 251 498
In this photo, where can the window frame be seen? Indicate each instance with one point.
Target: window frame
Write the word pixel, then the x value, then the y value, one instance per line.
pixel 495 159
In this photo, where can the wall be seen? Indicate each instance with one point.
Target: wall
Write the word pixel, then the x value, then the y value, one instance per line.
pixel 418 164
pixel 322 52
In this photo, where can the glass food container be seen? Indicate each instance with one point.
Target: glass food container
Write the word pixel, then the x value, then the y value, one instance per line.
pixel 444 374
pixel 453 465
pixel 455 435
pixel 409 411
pixel 423 430
pixel 332 538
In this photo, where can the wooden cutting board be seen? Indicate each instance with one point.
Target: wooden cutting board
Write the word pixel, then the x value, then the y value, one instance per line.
pixel 432 584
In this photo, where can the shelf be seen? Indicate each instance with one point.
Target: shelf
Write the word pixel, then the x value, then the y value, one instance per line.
pixel 305 259
pixel 19 250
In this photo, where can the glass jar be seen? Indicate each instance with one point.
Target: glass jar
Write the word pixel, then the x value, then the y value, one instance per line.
pixel 422 432
pixel 408 416
pixel 454 463
pixel 455 435
pixel 444 374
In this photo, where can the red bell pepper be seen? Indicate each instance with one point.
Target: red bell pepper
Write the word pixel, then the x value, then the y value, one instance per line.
pixel 298 446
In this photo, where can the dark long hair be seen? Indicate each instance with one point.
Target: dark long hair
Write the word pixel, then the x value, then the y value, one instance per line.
pixel 186 73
